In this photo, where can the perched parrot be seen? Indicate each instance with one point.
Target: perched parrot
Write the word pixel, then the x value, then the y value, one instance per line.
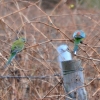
pixel 17 46
pixel 78 36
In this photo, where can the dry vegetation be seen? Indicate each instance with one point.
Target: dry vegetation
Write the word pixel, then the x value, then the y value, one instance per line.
pixel 45 28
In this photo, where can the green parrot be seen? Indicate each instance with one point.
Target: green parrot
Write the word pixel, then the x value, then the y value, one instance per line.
pixel 17 47
pixel 78 36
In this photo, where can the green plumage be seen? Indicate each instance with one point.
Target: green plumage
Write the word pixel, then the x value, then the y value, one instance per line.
pixel 10 58
pixel 76 43
pixel 78 36
pixel 17 47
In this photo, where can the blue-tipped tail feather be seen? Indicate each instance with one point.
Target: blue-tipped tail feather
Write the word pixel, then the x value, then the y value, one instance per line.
pixel 10 59
pixel 75 49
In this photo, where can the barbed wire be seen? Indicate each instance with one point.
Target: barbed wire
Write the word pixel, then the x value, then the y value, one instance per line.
pixel 32 77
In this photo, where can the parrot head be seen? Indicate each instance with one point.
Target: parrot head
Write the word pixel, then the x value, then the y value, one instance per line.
pixel 22 39
pixel 79 34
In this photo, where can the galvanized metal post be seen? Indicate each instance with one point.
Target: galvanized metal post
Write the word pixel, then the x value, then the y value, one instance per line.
pixel 73 78
pixel 72 73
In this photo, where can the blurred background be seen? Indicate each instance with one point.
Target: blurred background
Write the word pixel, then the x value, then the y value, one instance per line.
pixel 46 24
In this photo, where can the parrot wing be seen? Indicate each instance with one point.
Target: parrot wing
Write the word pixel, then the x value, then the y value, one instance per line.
pixel 17 46
pixel 76 43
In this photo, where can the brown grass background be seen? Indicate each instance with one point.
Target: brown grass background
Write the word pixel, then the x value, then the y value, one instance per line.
pixel 46 24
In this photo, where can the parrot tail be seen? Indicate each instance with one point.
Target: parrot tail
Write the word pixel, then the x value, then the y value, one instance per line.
pixel 10 59
pixel 75 49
